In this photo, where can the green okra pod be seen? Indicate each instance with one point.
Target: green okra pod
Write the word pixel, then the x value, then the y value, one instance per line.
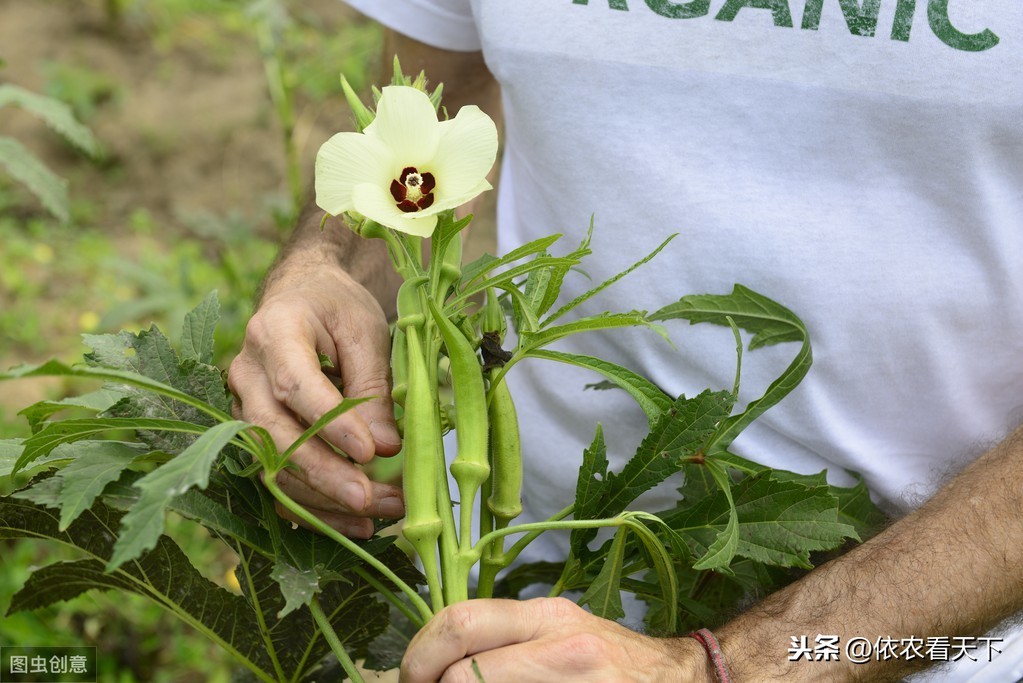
pixel 410 306
pixel 471 464
pixel 422 466
pixel 399 366
pixel 505 500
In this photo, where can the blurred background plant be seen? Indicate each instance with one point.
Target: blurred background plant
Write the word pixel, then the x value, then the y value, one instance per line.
pixel 208 114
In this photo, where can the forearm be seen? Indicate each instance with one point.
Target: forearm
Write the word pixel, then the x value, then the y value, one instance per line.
pixel 952 568
pixel 335 246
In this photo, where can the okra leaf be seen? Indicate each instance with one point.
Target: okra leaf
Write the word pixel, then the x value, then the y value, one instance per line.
pixel 591 490
pixel 586 296
pixel 165 575
pixel 143 524
pixel 488 263
pixel 604 321
pixel 647 395
pixel 778 522
pixel 94 401
pixel 506 276
pixel 55 434
pixel 10 452
pixel 856 509
pixel 197 331
pixel 720 552
pixel 604 596
pixel 770 322
pixel 679 433
pixel 95 465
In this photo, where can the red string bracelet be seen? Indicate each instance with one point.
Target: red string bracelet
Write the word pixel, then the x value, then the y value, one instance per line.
pixel 710 643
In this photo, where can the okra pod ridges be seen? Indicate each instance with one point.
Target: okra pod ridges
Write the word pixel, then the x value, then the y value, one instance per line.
pixel 423 523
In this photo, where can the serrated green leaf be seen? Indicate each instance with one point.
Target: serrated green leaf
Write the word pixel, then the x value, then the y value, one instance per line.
pixel 54 113
pixel 770 322
pixel 91 466
pixel 197 331
pixel 647 395
pixel 143 524
pixel 11 450
pixel 604 595
pixel 591 490
pixel 166 576
pixel 586 296
pixel 720 552
pixel 779 522
pixel 679 433
pixel 856 509
pixel 49 188
pixel 45 492
pixel 95 401
pixel 96 464
pixel 55 434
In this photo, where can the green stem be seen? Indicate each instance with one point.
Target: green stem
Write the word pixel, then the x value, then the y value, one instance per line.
pixel 335 643
pixel 391 597
pixel 521 544
pixel 540 527
pixel 270 481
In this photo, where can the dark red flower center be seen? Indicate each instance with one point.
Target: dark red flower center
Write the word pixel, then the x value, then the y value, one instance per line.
pixel 412 190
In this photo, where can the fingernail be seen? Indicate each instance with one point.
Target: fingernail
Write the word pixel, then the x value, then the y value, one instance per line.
pixel 353 495
pixel 361 529
pixel 385 433
pixel 391 507
pixel 353 447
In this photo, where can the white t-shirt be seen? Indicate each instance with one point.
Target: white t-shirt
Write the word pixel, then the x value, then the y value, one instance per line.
pixel 866 171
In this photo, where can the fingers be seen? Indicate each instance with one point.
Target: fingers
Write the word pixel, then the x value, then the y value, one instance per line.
pixel 322 480
pixel 544 639
pixel 468 628
pixel 282 348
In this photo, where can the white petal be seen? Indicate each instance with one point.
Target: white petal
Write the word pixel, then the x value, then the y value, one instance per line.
pixel 465 153
pixel 407 123
pixel 373 201
pixel 455 201
pixel 344 161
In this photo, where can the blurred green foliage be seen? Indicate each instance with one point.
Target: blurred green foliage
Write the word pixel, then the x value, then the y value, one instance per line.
pixel 87 275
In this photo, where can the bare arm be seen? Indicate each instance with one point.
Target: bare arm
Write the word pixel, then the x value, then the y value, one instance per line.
pixel 952 568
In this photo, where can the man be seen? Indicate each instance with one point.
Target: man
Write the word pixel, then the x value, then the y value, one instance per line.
pixel 861 164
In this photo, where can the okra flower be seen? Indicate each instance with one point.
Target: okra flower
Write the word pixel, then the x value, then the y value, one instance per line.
pixel 407 166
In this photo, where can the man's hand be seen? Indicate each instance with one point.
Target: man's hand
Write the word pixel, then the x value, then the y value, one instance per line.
pixel 280 385
pixel 545 639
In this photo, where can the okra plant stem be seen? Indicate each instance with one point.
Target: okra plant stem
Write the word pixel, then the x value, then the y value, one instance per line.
pixel 270 481
pixel 335 643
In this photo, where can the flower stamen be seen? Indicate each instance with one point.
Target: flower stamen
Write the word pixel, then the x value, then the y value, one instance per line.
pixel 412 190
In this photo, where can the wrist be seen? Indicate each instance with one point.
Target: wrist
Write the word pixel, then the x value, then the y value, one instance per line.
pixel 693 662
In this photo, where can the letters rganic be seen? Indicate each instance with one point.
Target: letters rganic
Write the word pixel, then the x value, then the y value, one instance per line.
pixel 861 17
